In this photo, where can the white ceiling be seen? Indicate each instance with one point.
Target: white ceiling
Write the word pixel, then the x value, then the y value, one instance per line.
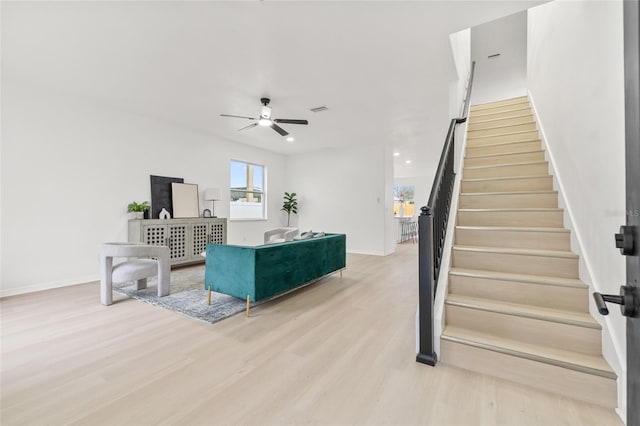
pixel 382 68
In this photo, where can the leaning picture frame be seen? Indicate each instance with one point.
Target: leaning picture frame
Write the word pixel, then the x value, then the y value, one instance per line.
pixel 185 200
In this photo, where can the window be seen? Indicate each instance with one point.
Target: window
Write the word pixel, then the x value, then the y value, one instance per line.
pixel 247 191
pixel 403 204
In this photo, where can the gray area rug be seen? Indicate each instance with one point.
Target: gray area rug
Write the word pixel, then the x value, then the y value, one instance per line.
pixel 187 296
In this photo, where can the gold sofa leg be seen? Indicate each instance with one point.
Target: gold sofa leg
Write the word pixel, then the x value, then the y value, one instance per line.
pixel 209 297
pixel 248 305
pixel 340 273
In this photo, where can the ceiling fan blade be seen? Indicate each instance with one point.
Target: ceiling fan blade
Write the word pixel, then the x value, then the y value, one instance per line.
pixel 279 129
pixel 288 121
pixel 237 116
pixel 249 126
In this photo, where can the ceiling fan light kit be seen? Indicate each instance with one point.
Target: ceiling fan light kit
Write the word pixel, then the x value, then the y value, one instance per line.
pixel 265 119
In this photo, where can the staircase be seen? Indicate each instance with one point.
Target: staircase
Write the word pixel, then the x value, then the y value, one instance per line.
pixel 516 308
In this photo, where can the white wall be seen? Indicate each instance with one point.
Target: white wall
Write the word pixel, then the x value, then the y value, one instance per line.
pixel 504 76
pixel 344 190
pixel 70 167
pixel 576 81
pixel 461 51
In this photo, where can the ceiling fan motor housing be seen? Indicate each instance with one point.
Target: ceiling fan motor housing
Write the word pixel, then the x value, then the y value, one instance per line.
pixel 266 112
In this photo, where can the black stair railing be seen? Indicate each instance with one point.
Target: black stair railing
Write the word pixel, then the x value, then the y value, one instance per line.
pixel 432 230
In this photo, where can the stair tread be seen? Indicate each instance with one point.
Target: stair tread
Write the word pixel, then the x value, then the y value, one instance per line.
pixel 493 166
pixel 509 250
pixel 501 102
pixel 487 111
pixel 489 120
pixel 469 137
pixel 590 364
pixel 580 319
pixel 512 276
pixel 502 154
pixel 508 193
pixel 503 126
pixel 506 178
pixel 513 228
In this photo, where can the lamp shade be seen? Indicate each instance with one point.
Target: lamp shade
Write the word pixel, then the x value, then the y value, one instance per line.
pixel 211 194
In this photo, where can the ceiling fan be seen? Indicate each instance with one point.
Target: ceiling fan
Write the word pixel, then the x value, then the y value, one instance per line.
pixel 266 120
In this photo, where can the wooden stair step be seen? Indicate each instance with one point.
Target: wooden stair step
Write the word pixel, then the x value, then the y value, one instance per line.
pixel 500 103
pixel 508 184
pixel 514 237
pixel 501 112
pixel 555 328
pixel 503 130
pixel 589 364
pixel 504 147
pixel 528 278
pixel 549 292
pixel 479 200
pixel 530 217
pixel 504 158
pixel 485 124
pixel 506 170
pixel 550 378
pixel 515 136
pixel 554 263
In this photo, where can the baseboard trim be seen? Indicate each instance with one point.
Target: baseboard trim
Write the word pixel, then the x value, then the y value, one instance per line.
pixel 6 292
pixel 367 252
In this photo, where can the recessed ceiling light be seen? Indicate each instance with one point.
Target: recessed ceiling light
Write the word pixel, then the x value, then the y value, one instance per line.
pixel 408 161
pixel 396 154
pixel 290 139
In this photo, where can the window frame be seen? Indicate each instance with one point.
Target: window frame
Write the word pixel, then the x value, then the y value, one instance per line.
pixel 262 192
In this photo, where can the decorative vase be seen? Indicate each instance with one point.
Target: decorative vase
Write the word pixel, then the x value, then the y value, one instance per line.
pixel 164 214
pixel 401 212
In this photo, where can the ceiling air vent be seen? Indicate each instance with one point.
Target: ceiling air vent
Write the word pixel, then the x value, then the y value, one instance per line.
pixel 319 109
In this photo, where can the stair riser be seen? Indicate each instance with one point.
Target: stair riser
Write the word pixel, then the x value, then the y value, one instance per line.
pixel 527 330
pixel 514 239
pixel 545 296
pixel 545 219
pixel 516 111
pixel 501 122
pixel 507 171
pixel 565 267
pixel 504 159
pixel 550 378
pixel 508 201
pixel 499 104
pixel 524 184
pixel 503 148
pixel 529 127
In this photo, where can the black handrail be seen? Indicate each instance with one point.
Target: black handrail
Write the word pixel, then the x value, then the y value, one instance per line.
pixel 432 229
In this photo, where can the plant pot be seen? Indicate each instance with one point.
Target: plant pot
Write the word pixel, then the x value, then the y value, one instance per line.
pixel 136 215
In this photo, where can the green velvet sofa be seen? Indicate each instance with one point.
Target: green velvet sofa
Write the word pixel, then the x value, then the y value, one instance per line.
pixel 258 273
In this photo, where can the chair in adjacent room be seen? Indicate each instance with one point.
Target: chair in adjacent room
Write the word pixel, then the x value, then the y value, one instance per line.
pixel 142 261
pixel 280 235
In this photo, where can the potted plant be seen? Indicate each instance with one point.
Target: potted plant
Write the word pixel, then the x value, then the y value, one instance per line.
pixel 290 205
pixel 137 210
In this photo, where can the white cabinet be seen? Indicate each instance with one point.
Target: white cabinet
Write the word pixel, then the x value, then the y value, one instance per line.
pixel 186 238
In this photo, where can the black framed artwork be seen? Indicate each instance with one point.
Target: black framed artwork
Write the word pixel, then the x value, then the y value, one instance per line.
pixel 161 194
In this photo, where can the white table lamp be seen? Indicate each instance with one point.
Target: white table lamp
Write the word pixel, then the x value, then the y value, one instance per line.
pixel 213 195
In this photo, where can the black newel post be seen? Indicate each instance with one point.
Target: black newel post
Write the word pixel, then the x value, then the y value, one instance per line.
pixel 427 354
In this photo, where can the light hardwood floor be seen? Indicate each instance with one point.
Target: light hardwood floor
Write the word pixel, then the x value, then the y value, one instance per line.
pixel 341 351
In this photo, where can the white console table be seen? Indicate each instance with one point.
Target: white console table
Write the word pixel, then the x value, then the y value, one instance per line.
pixel 186 238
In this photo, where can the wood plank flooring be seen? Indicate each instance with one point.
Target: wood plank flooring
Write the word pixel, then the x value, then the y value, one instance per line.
pixel 341 351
